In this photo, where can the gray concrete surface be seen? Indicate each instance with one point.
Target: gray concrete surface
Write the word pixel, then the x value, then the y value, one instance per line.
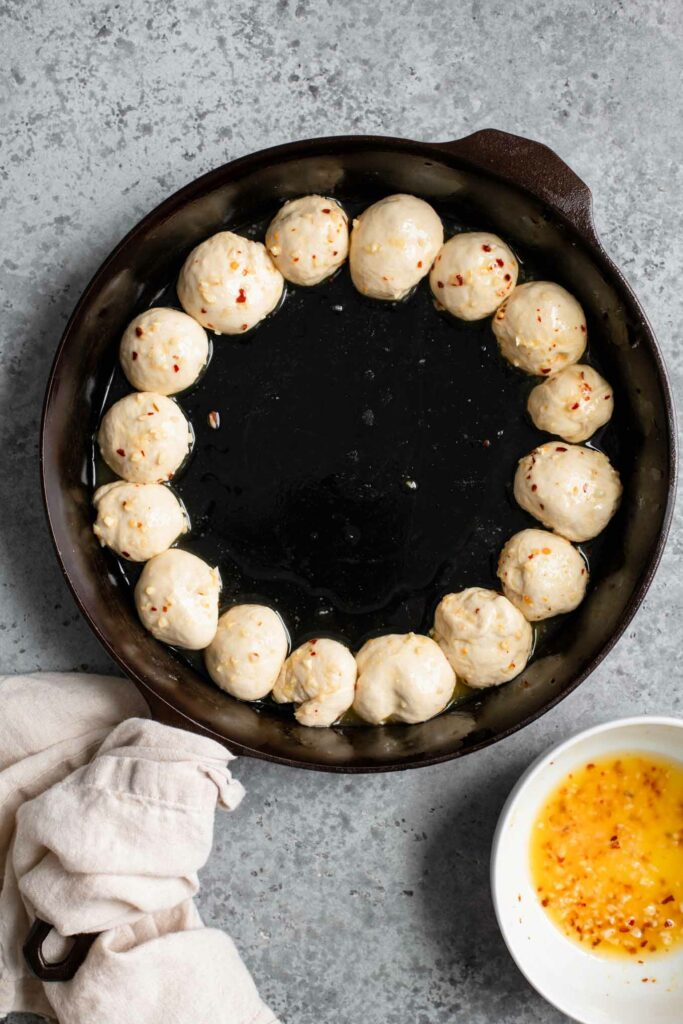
pixel 360 900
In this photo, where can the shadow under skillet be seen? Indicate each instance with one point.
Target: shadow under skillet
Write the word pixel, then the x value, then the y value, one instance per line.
pixel 364 460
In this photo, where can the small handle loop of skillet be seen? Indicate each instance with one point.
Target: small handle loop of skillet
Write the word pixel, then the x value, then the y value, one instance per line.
pixel 532 166
pixel 60 970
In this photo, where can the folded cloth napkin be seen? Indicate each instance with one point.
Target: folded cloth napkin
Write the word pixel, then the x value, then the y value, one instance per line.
pixel 105 819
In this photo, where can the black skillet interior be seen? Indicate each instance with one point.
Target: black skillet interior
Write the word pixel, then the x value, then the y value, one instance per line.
pixel 365 453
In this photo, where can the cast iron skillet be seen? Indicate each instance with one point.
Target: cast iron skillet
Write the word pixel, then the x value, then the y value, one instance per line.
pixel 305 495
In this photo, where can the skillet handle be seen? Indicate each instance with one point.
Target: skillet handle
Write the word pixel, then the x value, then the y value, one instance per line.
pixel 60 970
pixel 532 166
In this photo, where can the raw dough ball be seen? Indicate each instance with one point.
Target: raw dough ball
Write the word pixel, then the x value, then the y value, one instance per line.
pixel 163 350
pixel 574 491
pixel 137 521
pixel 485 638
pixel 177 599
pixel 247 653
pixel 229 283
pixel 144 437
pixel 572 404
pixel 308 239
pixel 541 328
pixel 542 574
pixel 472 274
pixel 320 677
pixel 393 245
pixel 402 677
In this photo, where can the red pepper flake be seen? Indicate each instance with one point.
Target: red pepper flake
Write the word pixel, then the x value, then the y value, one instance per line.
pixel 134 356
pixel 590 766
pixel 126 554
pixel 607 397
pixel 139 331
pixel 214 419
pixel 204 310
pixel 244 326
pixel 539 319
pixel 542 506
pixel 667 899
pixel 507 278
pixel 439 284
pixel 176 368
pixel 500 262
pixel 583 328
pixel 559 448
pixel 534 487
pixel 486 248
pixel 575 405
pixel 326 209
pixel 152 609
pixel 486 443
pixel 121 452
pixel 334 252
pixel 419 263
pixel 459 279
pixel 242 296
pixel 545 369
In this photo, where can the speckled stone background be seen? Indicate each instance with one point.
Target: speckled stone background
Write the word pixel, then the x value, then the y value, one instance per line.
pixel 361 900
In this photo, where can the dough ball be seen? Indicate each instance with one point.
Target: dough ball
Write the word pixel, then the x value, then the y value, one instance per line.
pixel 144 437
pixel 541 328
pixel 177 599
pixel 229 283
pixel 319 676
pixel 574 403
pixel 246 654
pixel 308 239
pixel 393 245
pixel 163 350
pixel 472 274
pixel 485 638
pixel 137 521
pixel 542 574
pixel 402 678
pixel 572 490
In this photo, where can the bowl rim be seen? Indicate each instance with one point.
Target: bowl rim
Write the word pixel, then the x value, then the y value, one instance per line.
pixel 449 153
pixel 515 795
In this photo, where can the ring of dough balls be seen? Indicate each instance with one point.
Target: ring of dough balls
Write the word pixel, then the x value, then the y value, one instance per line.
pixel 177 599
pixel 485 638
pixel 163 350
pixel 402 678
pixel 246 654
pixel 573 404
pixel 229 283
pixel 137 521
pixel 542 574
pixel 320 677
pixel 144 437
pixel 572 490
pixel 308 239
pixel 393 245
pixel 472 274
pixel 541 328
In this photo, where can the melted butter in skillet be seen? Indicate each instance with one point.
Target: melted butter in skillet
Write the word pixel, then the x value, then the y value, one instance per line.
pixel 363 462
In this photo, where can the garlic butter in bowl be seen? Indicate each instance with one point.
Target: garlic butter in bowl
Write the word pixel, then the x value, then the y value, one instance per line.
pixel 587 873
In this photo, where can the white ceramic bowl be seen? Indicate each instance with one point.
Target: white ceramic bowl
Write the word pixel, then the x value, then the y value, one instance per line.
pixel 589 988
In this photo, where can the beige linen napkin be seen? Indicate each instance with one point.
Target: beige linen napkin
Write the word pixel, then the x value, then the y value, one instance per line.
pixel 105 820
